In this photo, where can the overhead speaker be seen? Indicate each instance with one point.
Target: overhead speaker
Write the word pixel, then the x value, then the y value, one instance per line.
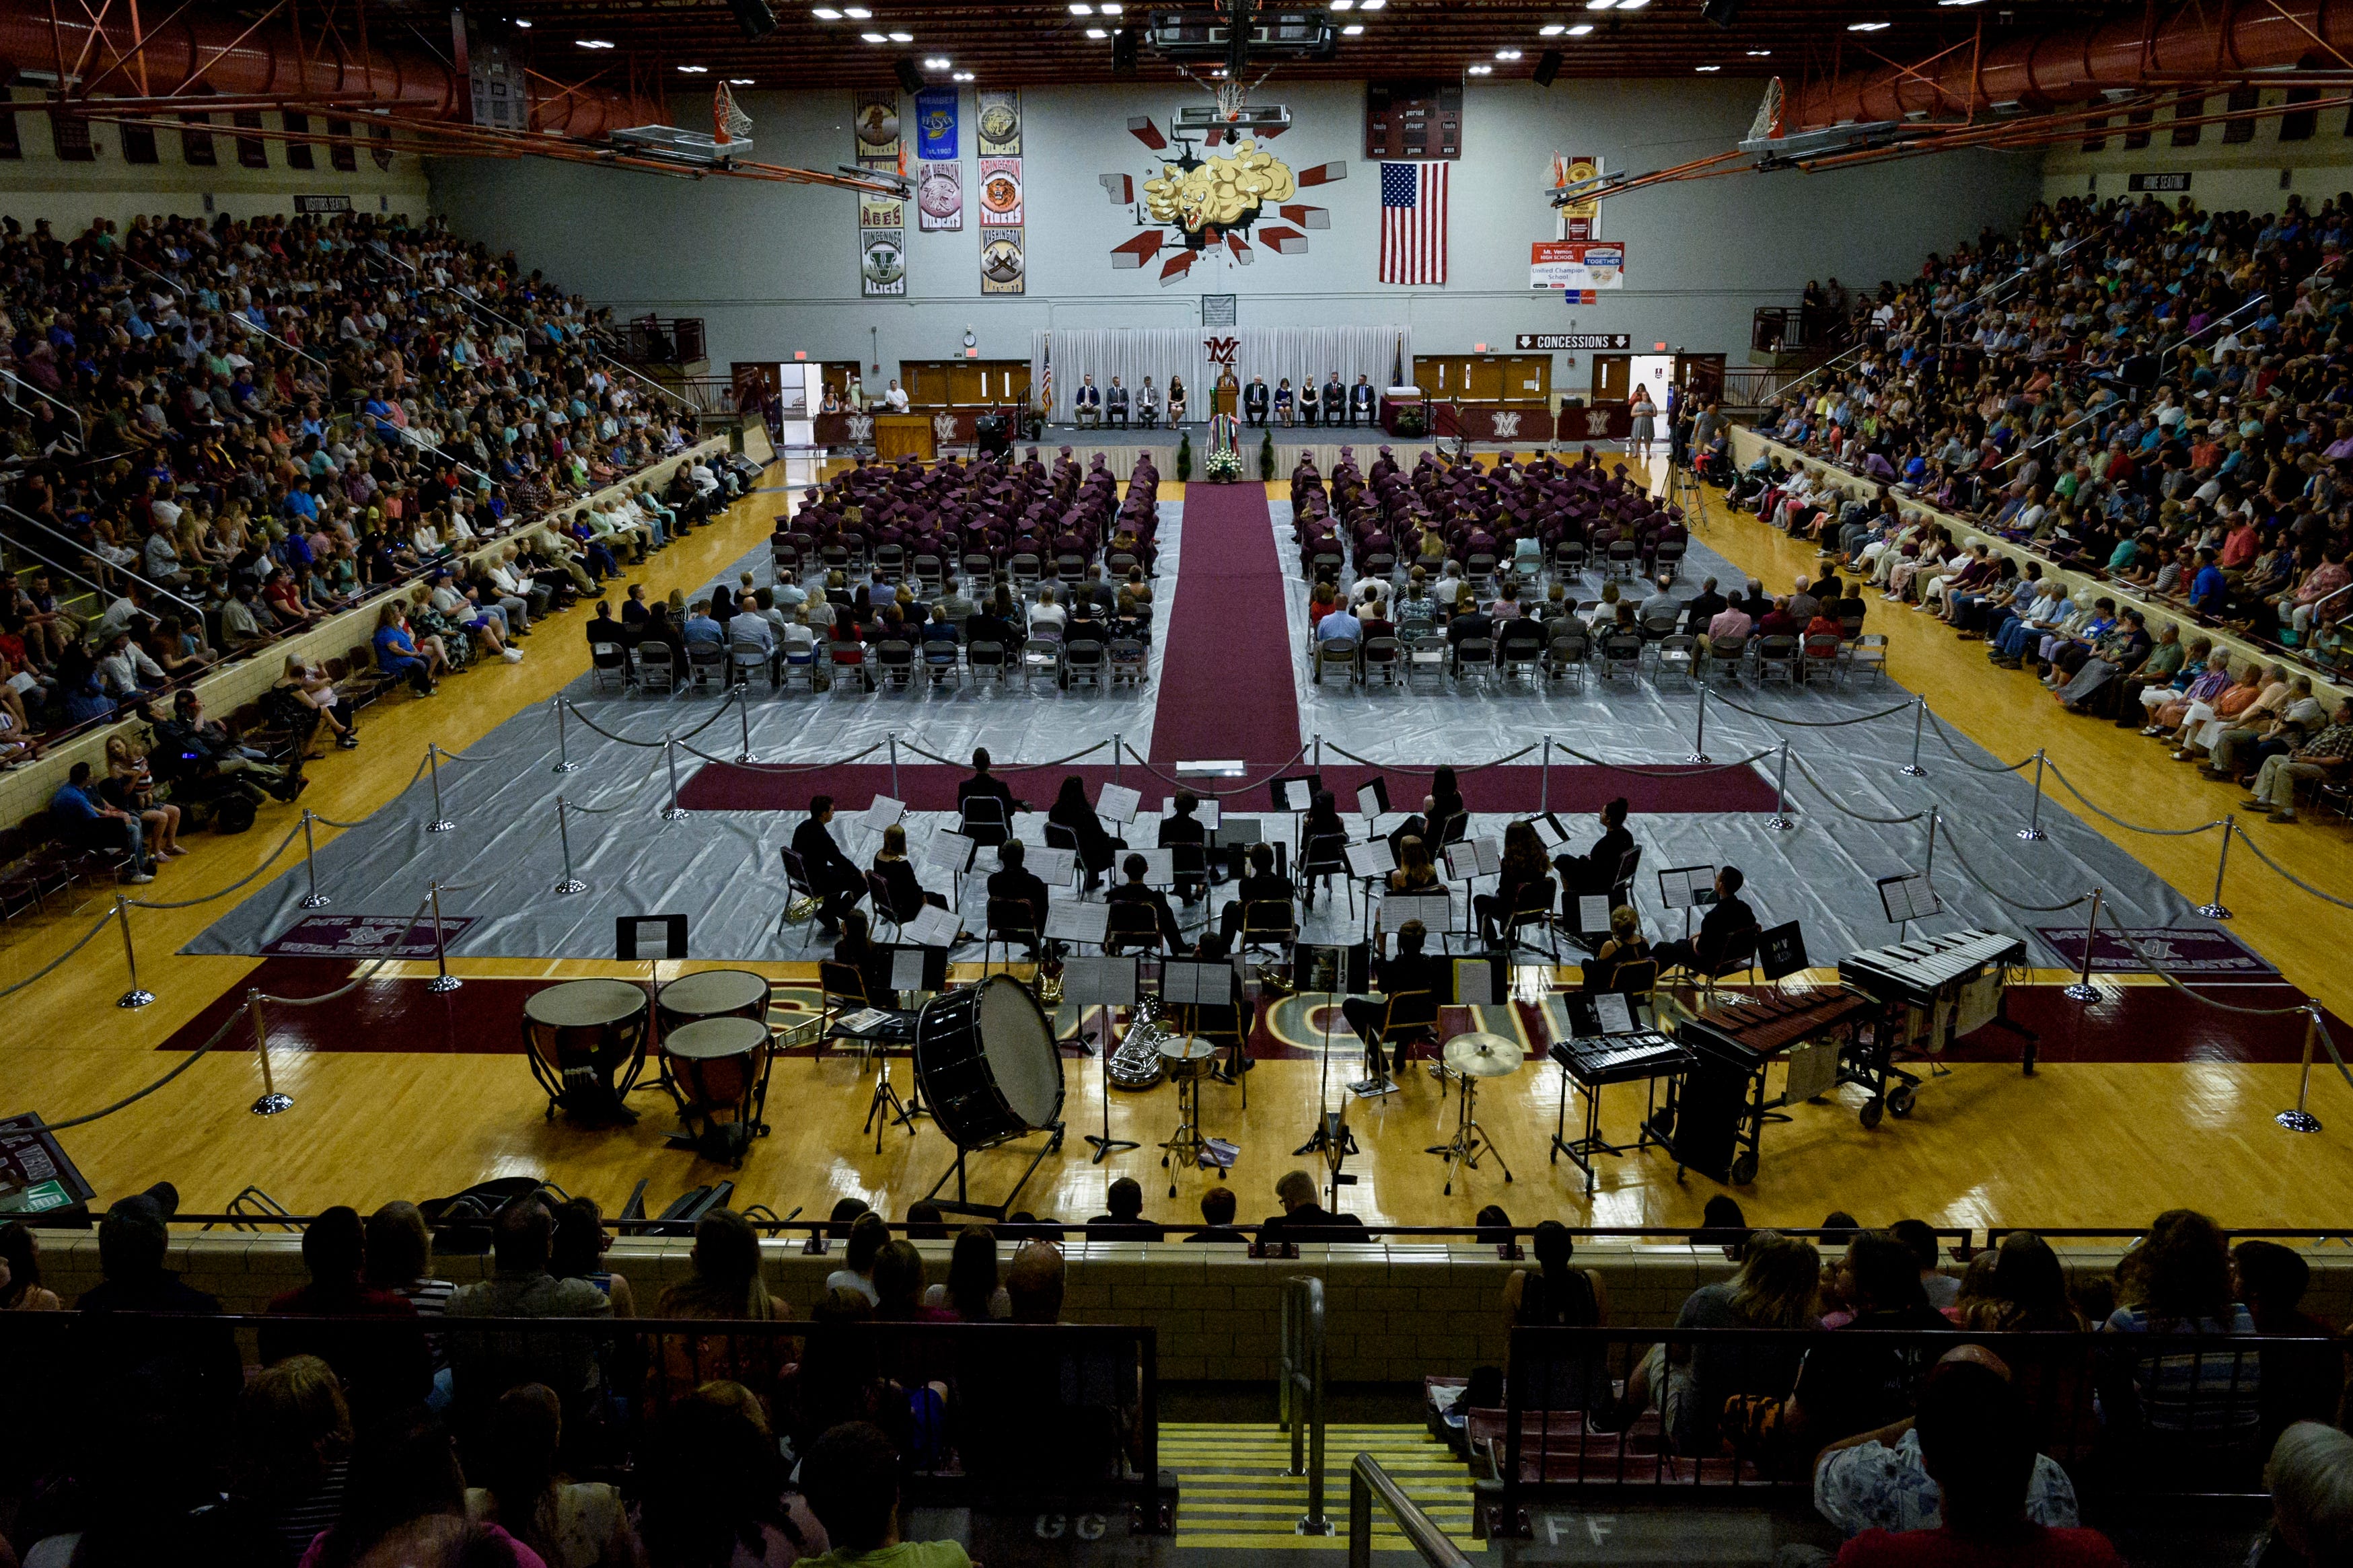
pixel 754 17
pixel 1547 66
pixel 1723 13
pixel 1124 52
pixel 911 79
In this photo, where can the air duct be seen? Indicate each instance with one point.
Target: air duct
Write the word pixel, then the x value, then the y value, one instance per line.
pixel 2078 64
pixel 245 62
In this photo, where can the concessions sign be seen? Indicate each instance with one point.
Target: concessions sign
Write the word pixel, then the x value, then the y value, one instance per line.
pixel 1573 342
pixel 1578 264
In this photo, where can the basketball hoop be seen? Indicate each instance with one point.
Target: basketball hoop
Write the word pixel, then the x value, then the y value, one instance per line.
pixel 1232 99
pixel 1767 123
pixel 728 123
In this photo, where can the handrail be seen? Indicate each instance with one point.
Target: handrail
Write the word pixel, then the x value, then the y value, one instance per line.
pixel 1366 1482
pixel 140 578
pixel 1301 1392
pixel 74 413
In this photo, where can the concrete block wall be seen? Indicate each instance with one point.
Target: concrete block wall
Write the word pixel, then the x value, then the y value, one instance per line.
pixel 1392 1314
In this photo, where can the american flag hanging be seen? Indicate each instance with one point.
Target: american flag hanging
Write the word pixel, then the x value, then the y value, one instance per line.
pixel 1413 223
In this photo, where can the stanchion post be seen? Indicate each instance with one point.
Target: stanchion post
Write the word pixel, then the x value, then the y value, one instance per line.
pixel 564 763
pixel 2032 832
pixel 894 767
pixel 2300 1120
pixel 1913 770
pixel 1543 780
pixel 570 884
pixel 441 824
pixel 1699 734
pixel 1118 745
pixel 2214 909
pixel 1780 821
pixel 442 979
pixel 313 899
pixel 138 995
pixel 271 1102
pixel 744 715
pixel 2084 990
pixel 1319 753
pixel 1929 870
pixel 673 811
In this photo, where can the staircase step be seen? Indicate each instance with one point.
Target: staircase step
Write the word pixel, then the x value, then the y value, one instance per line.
pixel 1237 1496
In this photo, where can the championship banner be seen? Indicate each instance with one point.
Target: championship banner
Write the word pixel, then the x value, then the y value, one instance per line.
pixel 1579 264
pixel 1000 117
pixel 939 197
pixel 1578 220
pixel 935 123
pixel 881 220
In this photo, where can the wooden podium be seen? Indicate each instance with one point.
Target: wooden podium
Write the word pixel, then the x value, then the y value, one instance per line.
pixel 897 436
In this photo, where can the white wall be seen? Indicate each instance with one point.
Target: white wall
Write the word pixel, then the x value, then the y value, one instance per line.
pixel 772 268
pixel 2245 176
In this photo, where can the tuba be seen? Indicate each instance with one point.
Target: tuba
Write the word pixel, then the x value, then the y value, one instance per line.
pixel 1137 1063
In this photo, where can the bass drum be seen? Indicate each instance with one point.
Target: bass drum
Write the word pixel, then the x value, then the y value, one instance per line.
pixel 986 1063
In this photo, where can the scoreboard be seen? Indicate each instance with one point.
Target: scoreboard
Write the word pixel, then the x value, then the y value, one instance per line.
pixel 1417 120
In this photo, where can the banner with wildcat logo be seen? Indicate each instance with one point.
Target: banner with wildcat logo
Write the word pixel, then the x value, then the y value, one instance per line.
pixel 1003 267
pixel 881 220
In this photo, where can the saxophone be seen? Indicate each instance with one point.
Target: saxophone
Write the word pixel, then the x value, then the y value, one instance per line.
pixel 1136 1064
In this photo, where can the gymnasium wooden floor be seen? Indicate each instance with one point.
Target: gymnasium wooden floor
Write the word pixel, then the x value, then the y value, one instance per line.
pixel 2083 1143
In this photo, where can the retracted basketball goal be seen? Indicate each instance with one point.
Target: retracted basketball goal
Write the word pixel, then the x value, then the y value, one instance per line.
pixel 729 137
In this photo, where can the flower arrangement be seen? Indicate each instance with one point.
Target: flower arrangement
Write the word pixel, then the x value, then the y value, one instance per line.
pixel 1223 465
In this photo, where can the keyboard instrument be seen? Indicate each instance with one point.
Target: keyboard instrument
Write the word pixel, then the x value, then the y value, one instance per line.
pixel 1603 1059
pixel 1931 968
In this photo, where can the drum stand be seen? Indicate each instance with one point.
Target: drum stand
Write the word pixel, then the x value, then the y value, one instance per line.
pixel 886 1109
pixel 1469 1140
pixel 1187 1139
pixel 962 1204
pixel 1106 1145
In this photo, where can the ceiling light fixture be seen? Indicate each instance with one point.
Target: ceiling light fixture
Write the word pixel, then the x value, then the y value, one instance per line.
pixel 1551 30
pixel 1371 5
pixel 937 62
pixel 1081 8
pixel 962 76
pixel 875 37
pixel 1507 54
pixel 902 37
pixel 1483 70
pixel 1580 29
pixel 523 22
pixel 1707 68
pixel 855 12
pixel 739 82
pixel 1868 27
pixel 1631 4
pixel 595 43
pixel 825 12
pixel 1097 33
pixel 1353 29
pixel 1758 54
pixel 696 71
pixel 1343 5
pixel 1112 9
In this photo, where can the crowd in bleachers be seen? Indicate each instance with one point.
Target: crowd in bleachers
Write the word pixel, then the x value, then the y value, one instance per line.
pixel 2158 400
pixel 220 434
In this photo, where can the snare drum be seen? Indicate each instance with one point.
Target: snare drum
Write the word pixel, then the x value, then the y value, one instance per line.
pixel 586 1040
pixel 721 1067
pixel 987 1065
pixel 1185 1056
pixel 712 993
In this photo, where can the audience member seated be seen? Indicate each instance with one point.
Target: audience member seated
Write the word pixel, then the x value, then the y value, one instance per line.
pixel 852 1478
pixel 1125 1222
pixel 486 1364
pixel 1303 1218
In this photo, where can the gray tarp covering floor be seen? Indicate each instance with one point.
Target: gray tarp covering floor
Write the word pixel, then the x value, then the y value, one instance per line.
pixel 720 869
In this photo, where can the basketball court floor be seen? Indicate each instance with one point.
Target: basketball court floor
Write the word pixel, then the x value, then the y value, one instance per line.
pixel 2145 1097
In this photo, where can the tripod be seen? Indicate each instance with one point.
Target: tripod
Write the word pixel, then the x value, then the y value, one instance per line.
pixel 1106 1145
pixel 1320 1140
pixel 1469 1140
pixel 1684 490
pixel 886 1109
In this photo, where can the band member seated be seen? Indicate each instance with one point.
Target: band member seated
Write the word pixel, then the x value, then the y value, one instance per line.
pixel 1016 881
pixel 1415 871
pixel 1071 812
pixel 1596 870
pixel 1258 884
pixel 1524 867
pixel 1625 945
pixel 1408 970
pixel 1185 828
pixel 908 893
pixel 859 950
pixel 1726 922
pixel 1133 891
pixel 832 876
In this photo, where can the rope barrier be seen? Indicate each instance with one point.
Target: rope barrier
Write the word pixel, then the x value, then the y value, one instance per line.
pixel 1813 723
pixel 366 974
pixel 2131 827
pixel 1841 807
pixel 2247 839
pixel 1197 788
pixel 782 767
pixel 996 767
pixel 422 764
pixel 233 887
pixel 626 801
pixel 1684 770
pixel 1942 734
pixel 717 714
pixel 1945 832
pixel 49 967
pixel 1460 768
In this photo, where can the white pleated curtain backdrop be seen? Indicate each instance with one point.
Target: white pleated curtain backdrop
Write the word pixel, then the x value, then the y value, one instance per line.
pixel 1131 353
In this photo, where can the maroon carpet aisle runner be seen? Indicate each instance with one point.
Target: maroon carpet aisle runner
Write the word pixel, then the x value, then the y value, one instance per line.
pixel 1226 690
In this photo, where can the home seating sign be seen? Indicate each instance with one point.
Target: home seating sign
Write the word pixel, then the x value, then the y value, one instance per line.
pixel 1004 264
pixel 881 220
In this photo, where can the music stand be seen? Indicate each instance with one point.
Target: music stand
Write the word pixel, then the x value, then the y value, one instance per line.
pixel 1782 952
pixel 1687 888
pixel 1102 981
pixel 1332 968
pixel 1907 897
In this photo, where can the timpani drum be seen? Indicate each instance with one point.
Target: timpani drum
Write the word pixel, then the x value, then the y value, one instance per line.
pixel 720 1068
pixel 712 993
pixel 586 1040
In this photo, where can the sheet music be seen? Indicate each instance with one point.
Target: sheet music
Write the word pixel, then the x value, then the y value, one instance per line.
pixel 907 967
pixel 1159 867
pixel 1191 983
pixel 1372 799
pixel 1549 832
pixel 1592 913
pixel 1118 802
pixel 1235 830
pixel 862 1020
pixel 1616 1017
pixel 1908 898
pixel 951 852
pixel 1474 982
pixel 1469 858
pixel 1055 868
pixel 1680 886
pixel 884 812
pixel 935 927
pixel 1292 795
pixel 1434 911
pixel 1371 859
pixel 1070 920
pixel 1099 982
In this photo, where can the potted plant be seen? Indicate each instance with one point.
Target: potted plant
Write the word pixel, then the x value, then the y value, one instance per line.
pixel 1183 457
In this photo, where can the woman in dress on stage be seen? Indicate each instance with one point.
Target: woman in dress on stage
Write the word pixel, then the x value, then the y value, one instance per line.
pixel 1175 401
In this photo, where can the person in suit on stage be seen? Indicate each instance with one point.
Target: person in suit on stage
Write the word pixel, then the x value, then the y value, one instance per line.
pixel 1071 812
pixel 985 786
pixel 1259 883
pixel 1596 870
pixel 833 875
pixel 1725 922
pixel 1147 404
pixel 1408 968
pixel 1086 403
pixel 1181 826
pixel 1335 400
pixel 1117 404
pixel 1133 891
pixel 1364 403
pixel 1016 881
pixel 1304 1219
pixel 1256 401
